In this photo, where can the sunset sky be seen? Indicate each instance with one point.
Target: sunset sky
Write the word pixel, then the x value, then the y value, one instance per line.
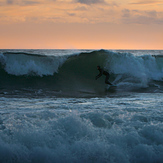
pixel 81 24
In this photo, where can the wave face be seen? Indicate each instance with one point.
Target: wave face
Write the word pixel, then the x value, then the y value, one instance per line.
pixel 76 72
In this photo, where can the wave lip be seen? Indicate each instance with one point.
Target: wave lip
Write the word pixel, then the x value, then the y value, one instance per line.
pixel 30 64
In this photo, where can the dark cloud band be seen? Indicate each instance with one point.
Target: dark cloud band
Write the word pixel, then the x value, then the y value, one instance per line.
pixel 88 2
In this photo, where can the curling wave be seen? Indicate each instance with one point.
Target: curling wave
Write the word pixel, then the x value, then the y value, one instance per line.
pixel 77 72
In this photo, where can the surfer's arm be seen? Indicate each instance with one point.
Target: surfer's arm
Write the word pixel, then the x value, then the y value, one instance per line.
pixel 99 75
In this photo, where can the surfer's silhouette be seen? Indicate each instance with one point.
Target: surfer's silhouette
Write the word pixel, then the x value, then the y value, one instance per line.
pixel 102 72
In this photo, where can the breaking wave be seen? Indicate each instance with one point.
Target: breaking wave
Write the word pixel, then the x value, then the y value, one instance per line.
pixel 77 72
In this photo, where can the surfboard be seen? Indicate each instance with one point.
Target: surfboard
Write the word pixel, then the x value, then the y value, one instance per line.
pixel 114 83
pixel 111 86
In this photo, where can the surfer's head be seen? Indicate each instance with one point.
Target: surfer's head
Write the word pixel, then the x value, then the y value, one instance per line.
pixel 98 67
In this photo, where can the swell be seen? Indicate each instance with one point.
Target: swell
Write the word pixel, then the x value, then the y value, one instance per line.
pixel 77 72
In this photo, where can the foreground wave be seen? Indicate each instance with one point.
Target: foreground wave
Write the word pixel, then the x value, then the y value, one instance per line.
pixel 91 130
pixel 76 73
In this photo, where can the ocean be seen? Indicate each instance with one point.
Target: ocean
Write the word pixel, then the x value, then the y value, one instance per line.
pixel 52 110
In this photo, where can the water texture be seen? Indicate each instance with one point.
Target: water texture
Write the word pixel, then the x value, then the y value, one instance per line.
pixel 53 110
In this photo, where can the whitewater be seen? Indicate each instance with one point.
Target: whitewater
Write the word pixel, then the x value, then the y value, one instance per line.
pixel 53 110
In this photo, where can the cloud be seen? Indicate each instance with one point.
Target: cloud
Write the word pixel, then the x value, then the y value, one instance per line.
pixel 146 2
pixel 141 17
pixel 82 8
pixel 88 2
pixel 152 13
pixel 125 13
pixel 9 2
pixel 71 14
pixel 22 2
pixel 147 20
pixel 31 2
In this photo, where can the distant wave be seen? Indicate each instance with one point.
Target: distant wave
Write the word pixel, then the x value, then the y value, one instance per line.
pixel 78 71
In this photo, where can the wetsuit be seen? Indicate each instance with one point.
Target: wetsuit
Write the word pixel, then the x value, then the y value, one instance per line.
pixel 102 72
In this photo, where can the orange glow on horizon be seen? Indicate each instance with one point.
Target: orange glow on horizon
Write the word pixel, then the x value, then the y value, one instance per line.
pixel 70 24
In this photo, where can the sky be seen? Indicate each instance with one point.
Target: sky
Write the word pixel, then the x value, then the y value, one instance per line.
pixel 81 24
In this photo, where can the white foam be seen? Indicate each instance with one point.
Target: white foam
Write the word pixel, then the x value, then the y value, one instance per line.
pixel 140 69
pixel 101 130
pixel 18 64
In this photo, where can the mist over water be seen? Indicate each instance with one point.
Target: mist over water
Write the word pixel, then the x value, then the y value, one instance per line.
pixel 53 110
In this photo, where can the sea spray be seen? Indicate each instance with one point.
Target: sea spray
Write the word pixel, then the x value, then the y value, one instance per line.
pixel 27 64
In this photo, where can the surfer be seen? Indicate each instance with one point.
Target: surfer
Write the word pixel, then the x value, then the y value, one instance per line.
pixel 102 72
